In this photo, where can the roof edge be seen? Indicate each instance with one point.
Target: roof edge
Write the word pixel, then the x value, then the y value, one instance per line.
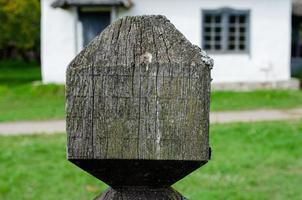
pixel 79 3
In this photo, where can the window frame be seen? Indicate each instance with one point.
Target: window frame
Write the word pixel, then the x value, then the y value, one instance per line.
pixel 79 44
pixel 225 13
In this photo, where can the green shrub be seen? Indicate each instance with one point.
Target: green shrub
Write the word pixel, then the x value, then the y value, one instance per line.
pixel 20 26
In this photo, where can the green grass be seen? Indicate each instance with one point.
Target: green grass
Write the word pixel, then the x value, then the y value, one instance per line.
pixel 14 72
pixel 265 99
pixel 23 98
pixel 31 102
pixel 250 161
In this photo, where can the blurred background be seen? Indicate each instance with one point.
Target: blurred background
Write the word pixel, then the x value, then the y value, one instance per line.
pixel 256 129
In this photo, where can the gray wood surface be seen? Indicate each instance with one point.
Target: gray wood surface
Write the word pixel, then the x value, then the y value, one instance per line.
pixel 140 90
pixel 142 193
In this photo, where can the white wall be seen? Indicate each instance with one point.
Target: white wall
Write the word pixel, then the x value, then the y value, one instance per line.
pixel 58 41
pixel 269 37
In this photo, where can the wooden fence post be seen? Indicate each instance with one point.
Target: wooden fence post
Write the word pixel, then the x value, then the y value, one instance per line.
pixel 138 108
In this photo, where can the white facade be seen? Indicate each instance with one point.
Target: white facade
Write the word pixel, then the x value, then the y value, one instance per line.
pixel 58 41
pixel 268 58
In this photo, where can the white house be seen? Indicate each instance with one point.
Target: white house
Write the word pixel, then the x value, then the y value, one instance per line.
pixel 249 40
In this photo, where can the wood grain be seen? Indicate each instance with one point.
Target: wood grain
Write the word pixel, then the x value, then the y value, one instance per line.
pixel 140 90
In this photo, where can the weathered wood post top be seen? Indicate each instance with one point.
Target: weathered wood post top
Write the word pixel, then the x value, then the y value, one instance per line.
pixel 138 101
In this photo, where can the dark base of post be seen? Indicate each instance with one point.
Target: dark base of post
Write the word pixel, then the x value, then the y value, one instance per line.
pixel 140 193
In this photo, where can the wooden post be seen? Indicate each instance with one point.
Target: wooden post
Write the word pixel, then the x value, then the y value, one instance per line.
pixel 138 108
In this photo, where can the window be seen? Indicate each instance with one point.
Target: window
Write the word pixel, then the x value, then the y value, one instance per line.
pixel 93 22
pixel 296 37
pixel 225 30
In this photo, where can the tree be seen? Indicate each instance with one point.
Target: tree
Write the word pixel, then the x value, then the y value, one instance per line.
pixel 19 26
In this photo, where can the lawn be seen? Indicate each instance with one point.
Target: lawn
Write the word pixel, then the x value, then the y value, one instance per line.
pixel 250 161
pixel 23 97
pixel 261 99
pixel 31 102
pixel 15 72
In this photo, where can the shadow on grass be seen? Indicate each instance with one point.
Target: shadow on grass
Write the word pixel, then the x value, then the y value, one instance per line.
pixel 16 72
